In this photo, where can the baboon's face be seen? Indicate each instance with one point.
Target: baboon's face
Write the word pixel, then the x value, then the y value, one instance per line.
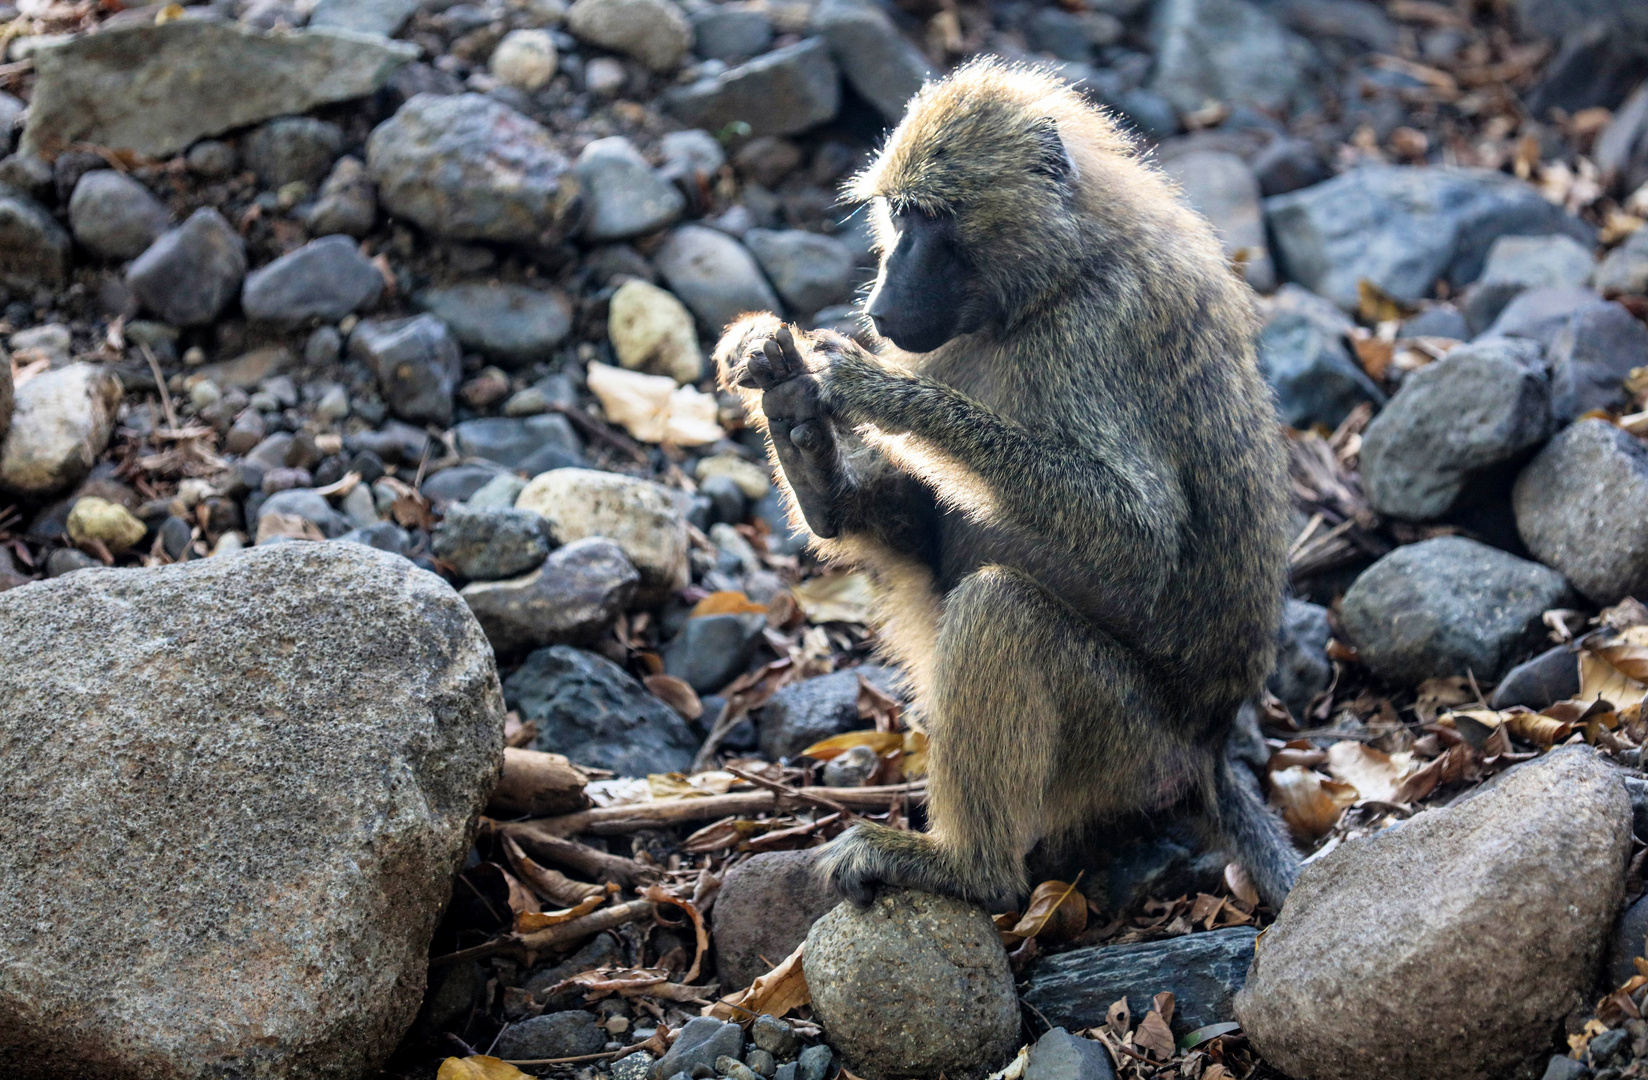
pixel 922 296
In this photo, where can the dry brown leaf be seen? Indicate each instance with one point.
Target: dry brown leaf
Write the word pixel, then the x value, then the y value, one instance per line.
pixel 1437 696
pixel 681 786
pixel 880 709
pixel 1531 727
pixel 1118 1018
pixel 527 921
pixel 1056 912
pixel 777 992
pixel 1310 804
pixel 1240 883
pixel 1615 669
pixel 657 895
pixel 479 1067
pixel 836 598
pixel 552 885
pixel 914 760
pixel 1154 1037
pixel 727 602
pixel 1375 305
pixel 677 694
pixel 1374 354
pixel 880 741
pixel 1373 773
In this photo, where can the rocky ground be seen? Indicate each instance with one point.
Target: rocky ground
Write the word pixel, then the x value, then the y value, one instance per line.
pixel 386 289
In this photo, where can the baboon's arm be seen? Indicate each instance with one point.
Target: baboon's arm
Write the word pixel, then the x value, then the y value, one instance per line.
pixel 1107 504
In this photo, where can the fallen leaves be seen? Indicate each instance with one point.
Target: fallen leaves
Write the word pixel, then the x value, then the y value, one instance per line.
pixel 779 991
pixel 836 598
pixel 1309 802
pixel 1056 913
pixel 479 1067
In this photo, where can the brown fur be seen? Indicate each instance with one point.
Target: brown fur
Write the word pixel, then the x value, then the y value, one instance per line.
pixel 1074 516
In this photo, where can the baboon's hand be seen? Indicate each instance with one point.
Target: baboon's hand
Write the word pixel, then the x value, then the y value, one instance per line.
pixel 740 344
pixel 803 434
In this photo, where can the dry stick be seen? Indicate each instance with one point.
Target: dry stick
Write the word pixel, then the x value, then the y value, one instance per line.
pixel 618 820
pixel 785 789
pixel 597 430
pixel 160 384
pixel 551 936
pixel 602 1056
pixel 542 844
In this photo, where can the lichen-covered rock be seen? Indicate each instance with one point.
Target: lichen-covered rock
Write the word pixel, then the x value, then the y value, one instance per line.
pixel 887 979
pixel 249 779
pixel 1405 931
pixel 652 331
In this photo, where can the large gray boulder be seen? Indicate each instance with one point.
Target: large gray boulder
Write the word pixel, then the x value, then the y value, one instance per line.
pixel 467 167
pixel 1449 606
pixel 1482 405
pixel 1407 931
pixel 138 86
pixel 1405 228
pixel 1580 507
pixel 235 794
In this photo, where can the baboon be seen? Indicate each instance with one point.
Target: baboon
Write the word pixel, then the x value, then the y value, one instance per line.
pixel 1061 469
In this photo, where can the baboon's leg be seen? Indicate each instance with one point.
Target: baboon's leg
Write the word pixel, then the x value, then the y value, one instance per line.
pixel 1031 726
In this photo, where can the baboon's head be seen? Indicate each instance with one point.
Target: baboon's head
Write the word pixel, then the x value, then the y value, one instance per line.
pixel 977 201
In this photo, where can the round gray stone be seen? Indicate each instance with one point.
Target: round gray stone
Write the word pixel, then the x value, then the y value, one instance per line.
pixel 323 281
pixel 114 216
pixel 189 275
pixel 887 978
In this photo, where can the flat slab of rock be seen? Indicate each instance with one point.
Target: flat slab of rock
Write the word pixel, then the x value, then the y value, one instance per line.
pixel 249 779
pixel 1202 971
pixel 513 325
pixel 779 93
pixel 1394 958
pixel 137 86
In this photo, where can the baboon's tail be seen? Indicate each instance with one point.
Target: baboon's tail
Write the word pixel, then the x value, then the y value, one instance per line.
pixel 1254 835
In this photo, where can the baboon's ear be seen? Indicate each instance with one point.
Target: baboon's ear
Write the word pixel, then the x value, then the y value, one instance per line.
pixel 1053 157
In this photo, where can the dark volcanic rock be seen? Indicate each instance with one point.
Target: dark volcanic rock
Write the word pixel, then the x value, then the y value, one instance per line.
pixel 1580 507
pixel 1550 677
pixel 416 361
pixel 764 909
pixel 1447 606
pixel 323 281
pixel 1482 405
pixel 595 713
pixel 467 167
pixel 512 325
pixel 780 93
pixel 191 273
pixel 573 598
pixel 1202 971
pixel 803 713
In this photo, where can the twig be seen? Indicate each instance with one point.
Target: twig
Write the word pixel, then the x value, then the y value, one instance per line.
pixel 602 1056
pixel 585 860
pixel 551 936
pixel 597 430
pixel 160 384
pixel 618 820
pixel 784 789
